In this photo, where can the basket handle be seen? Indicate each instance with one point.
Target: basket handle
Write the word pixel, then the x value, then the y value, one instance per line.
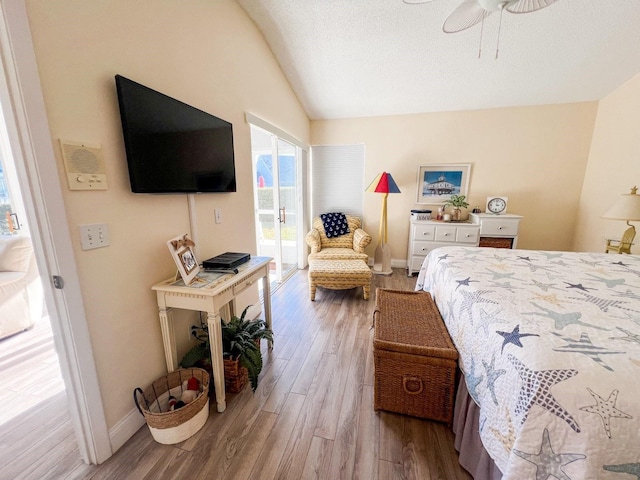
pixel 135 398
pixel 376 313
pixel 409 384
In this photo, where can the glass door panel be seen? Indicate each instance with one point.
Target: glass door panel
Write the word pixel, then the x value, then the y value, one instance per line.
pixel 275 197
pixel 288 215
pixel 9 218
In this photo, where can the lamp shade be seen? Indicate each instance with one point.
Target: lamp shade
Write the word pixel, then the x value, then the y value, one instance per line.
pixel 383 183
pixel 626 207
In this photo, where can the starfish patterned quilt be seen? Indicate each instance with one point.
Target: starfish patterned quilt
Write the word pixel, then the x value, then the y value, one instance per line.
pixel 549 344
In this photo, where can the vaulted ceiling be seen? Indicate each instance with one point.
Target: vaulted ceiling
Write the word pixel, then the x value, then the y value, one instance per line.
pixel 354 58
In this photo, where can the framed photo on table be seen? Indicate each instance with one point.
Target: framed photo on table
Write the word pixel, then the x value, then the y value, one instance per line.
pixel 181 249
pixel 437 182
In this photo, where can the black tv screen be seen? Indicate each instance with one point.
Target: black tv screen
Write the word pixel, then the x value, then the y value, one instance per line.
pixel 173 147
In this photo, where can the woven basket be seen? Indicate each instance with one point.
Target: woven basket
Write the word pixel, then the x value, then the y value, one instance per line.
pixel 496 242
pixel 415 362
pixel 166 426
pixel 235 376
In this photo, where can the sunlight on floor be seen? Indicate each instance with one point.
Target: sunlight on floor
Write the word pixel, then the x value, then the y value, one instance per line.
pixel 29 370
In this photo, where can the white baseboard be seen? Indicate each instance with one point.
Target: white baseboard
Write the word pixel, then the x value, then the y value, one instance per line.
pixel 398 263
pixel 395 262
pixel 125 429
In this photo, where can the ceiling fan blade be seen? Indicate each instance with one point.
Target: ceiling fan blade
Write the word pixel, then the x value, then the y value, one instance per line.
pixel 526 6
pixel 465 16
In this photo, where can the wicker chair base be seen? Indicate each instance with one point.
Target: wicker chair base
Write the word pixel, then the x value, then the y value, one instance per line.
pixel 339 275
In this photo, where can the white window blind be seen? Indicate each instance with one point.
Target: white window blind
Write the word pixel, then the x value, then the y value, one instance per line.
pixel 337 179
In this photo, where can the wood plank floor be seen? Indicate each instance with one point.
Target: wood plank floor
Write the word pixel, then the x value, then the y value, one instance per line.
pixel 311 417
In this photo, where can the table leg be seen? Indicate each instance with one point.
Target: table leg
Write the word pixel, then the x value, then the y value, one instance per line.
pixel 266 299
pixel 168 338
pixel 215 341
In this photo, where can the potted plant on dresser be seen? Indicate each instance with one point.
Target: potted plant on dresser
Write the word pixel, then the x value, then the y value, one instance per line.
pixel 457 202
pixel 241 350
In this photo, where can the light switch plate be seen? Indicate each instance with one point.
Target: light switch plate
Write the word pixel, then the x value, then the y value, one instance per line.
pixel 95 235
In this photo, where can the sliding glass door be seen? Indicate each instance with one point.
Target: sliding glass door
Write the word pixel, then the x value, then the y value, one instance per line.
pixel 277 218
pixel 11 211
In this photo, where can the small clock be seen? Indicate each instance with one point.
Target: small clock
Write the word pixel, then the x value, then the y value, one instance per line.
pixel 497 205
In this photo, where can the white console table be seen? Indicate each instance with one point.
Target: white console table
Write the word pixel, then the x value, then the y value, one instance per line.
pixel 210 299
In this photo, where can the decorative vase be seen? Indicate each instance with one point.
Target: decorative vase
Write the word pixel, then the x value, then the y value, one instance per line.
pixel 235 376
pixel 455 214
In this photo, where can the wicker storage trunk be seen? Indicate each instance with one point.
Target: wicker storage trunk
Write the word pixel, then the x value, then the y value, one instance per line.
pixel 415 360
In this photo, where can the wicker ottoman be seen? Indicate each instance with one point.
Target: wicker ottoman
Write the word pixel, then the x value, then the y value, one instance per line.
pixel 415 361
pixel 339 275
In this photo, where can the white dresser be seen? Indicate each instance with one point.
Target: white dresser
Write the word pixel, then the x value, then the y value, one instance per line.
pixel 499 231
pixel 425 235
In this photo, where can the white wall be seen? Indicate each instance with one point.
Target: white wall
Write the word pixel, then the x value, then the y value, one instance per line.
pixel 536 156
pixel 613 168
pixel 208 54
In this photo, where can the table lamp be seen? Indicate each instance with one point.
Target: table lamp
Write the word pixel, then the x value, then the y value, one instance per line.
pixel 626 207
pixel 383 183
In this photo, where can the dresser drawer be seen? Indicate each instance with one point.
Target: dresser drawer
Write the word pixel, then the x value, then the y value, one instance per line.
pixel 423 232
pixel 445 234
pixel 498 226
pixel 244 284
pixel 416 263
pixel 467 235
pixel 422 248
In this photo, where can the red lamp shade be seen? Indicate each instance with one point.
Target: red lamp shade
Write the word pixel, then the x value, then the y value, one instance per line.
pixel 383 183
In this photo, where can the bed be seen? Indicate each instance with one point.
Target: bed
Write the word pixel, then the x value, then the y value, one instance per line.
pixel 549 346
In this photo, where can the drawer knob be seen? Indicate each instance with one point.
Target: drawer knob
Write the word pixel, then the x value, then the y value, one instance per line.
pixel 499 228
pixel 446 234
pixel 423 249
pixel 468 235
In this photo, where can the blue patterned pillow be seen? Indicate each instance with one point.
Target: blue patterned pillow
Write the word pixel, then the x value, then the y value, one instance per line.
pixel 335 224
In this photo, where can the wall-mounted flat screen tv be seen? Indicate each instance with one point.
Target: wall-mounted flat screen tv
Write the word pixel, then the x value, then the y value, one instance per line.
pixel 173 147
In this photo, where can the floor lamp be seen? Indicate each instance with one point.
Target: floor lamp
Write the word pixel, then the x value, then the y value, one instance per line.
pixel 384 184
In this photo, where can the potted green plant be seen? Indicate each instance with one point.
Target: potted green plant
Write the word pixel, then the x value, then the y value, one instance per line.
pixel 457 202
pixel 240 347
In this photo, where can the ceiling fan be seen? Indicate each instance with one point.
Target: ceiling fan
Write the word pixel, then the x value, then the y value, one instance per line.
pixel 472 12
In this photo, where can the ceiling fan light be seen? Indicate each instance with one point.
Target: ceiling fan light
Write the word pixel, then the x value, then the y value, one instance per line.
pixel 493 5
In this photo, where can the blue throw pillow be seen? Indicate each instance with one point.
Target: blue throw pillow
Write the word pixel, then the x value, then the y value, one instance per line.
pixel 335 224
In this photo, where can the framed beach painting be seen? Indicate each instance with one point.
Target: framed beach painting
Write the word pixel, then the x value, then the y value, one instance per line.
pixel 437 182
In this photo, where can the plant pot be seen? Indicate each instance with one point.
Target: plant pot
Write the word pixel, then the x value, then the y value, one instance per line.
pixel 456 214
pixel 235 376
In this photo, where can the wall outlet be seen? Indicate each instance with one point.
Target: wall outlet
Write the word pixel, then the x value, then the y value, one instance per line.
pixel 95 235
pixel 218 213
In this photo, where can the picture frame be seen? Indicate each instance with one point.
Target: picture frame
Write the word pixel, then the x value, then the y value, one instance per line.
pixel 181 248
pixel 438 181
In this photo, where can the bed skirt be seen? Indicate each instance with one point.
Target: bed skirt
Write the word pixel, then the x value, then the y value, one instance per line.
pixel 466 420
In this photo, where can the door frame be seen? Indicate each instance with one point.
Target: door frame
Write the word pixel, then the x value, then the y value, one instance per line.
pixel 24 112
pixel 302 155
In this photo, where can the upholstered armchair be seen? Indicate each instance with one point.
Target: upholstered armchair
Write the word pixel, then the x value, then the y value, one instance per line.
pixel 20 288
pixel 345 247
